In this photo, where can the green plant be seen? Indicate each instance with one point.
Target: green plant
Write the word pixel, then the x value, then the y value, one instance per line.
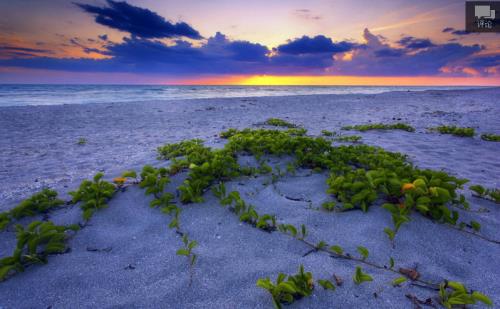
pixel 39 203
pixel 154 181
pixel 348 139
pixel 93 195
pixel 360 277
pixel 452 293
pixel 398 281
pixel 82 141
pixel 380 126
pixel 490 137
pixel 326 284
pixel 227 134
pixel 276 122
pixel 328 133
pixel 454 130
pixel 34 244
pixel 4 220
pixel 246 213
pixel 491 194
pixel 364 252
pixel 289 288
pixel 328 206
pixel 187 251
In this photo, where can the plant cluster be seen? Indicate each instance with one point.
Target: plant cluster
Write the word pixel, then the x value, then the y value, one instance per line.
pixel 34 244
pixel 491 194
pixel 453 294
pixel 246 213
pixel 39 203
pixel 276 122
pixel 288 288
pixel 93 194
pixel 82 141
pixel 380 126
pixel 154 181
pixel 328 133
pixel 187 251
pixel 454 130
pixel 347 138
pixel 359 174
pixel 490 137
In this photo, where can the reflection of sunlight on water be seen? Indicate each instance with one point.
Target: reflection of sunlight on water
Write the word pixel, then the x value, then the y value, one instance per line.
pixel 18 95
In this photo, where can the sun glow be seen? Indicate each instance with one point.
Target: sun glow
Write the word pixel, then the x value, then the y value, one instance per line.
pixel 273 80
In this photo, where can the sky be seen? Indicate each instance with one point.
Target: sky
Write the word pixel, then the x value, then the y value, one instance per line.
pixel 269 42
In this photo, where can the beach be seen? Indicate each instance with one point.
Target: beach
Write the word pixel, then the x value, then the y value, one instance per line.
pixel 39 147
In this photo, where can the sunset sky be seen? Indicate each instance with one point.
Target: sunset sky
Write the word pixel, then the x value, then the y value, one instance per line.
pixel 330 42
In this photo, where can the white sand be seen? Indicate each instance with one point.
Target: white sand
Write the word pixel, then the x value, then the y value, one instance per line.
pixel 38 148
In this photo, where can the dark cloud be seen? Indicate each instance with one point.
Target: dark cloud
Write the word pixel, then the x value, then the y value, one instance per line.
pixel 318 55
pixel 371 60
pixel 455 32
pixel 389 52
pixel 138 21
pixel 460 32
pixel 77 42
pixel 306 14
pixel 7 51
pixel 314 45
pixel 485 61
pixel 415 43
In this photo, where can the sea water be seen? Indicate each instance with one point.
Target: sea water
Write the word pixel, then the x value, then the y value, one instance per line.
pixel 19 95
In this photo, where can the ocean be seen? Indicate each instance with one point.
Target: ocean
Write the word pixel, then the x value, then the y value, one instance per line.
pixel 21 95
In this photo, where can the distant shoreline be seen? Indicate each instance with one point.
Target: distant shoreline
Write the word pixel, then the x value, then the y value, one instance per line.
pixel 38 95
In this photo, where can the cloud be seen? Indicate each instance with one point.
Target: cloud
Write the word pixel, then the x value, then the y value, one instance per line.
pixel 8 51
pixel 455 32
pixel 145 51
pixel 319 55
pixel 306 14
pixel 417 57
pixel 415 43
pixel 314 45
pixel 138 21
pixel 77 42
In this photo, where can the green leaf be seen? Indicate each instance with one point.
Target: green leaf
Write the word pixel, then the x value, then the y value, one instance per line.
pixel 129 174
pixel 193 259
pixel 364 252
pixel 304 231
pixel 360 277
pixel 265 284
pixel 5 270
pixel 475 225
pixel 192 244
pixel 482 298
pixel 321 245
pixel 292 230
pixel 398 281
pixel 391 263
pixel 390 233
pixel 326 284
pixel 183 251
pixel 337 249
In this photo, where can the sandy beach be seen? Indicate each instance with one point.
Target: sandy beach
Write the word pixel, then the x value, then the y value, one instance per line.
pixel 139 268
